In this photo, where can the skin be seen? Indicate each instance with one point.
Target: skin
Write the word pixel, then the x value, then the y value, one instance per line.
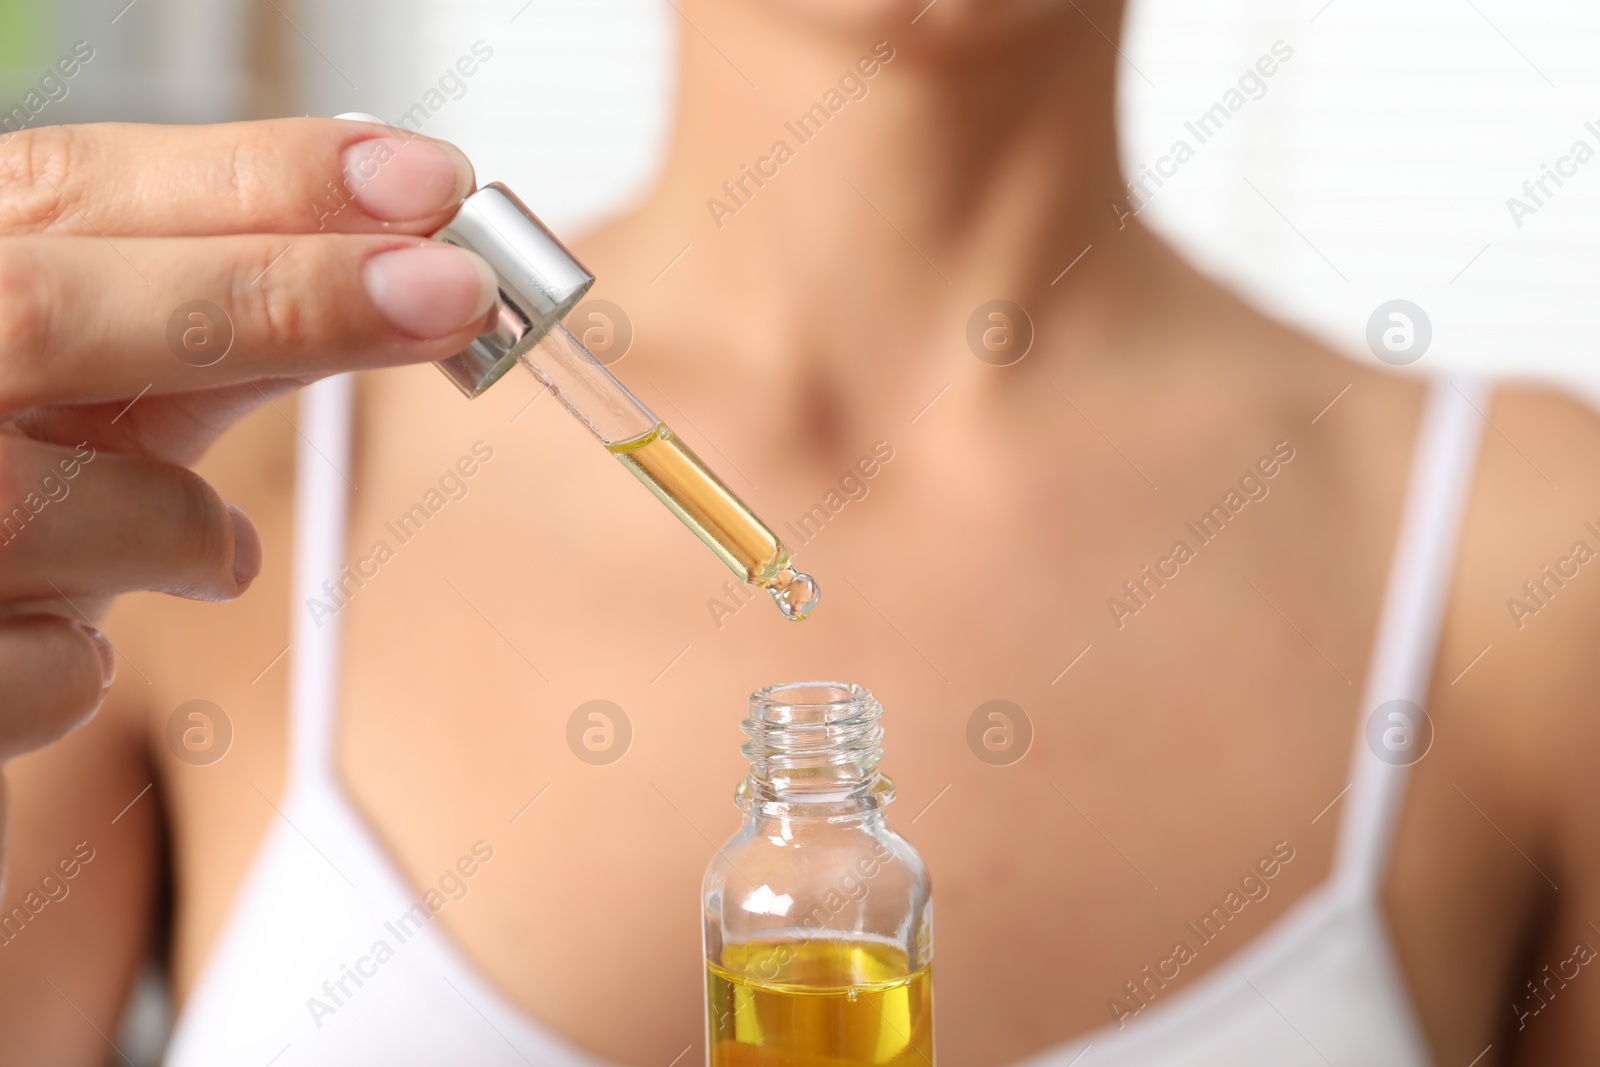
pixel 109 382
pixel 68 295
pixel 1206 730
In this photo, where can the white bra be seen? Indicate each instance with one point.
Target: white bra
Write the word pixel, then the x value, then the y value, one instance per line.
pixel 325 957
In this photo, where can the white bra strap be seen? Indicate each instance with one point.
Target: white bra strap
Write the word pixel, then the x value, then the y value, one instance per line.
pixel 1442 467
pixel 322 488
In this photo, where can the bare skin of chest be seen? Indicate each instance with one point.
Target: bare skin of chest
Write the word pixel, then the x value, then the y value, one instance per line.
pixel 1144 800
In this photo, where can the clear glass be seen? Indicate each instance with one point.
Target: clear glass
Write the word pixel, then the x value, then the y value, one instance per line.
pixel 818 917
pixel 589 392
pixel 671 470
pixel 539 283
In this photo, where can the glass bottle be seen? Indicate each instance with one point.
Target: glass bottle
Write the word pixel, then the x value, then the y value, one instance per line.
pixel 818 917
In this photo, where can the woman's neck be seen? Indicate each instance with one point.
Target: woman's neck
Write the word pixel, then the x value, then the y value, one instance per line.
pixel 991 170
pixel 863 198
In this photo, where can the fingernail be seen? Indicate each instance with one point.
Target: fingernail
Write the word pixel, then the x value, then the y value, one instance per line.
pixel 246 548
pixel 108 655
pixel 430 289
pixel 400 181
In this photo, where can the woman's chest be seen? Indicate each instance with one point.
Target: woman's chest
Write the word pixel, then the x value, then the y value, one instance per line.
pixel 1083 782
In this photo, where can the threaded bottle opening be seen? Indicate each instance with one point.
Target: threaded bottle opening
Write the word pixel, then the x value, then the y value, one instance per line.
pixel 814 746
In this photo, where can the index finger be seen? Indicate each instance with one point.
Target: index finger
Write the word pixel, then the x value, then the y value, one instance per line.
pixel 275 176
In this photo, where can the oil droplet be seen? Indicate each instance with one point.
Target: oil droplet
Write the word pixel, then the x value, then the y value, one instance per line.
pixel 797 593
pixel 851 994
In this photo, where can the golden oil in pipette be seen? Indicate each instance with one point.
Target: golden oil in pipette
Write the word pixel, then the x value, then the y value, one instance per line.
pixel 681 480
pixel 819 1003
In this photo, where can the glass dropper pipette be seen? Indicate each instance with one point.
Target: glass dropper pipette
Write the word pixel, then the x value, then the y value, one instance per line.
pixel 540 282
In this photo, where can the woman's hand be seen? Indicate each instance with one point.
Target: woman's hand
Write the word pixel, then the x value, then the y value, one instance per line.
pixel 156 283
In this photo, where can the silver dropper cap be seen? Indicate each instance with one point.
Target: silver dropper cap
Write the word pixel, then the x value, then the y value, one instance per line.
pixel 540 281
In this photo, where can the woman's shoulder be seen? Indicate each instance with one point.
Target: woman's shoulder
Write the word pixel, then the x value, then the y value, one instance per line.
pixel 1528 572
pixel 1517 669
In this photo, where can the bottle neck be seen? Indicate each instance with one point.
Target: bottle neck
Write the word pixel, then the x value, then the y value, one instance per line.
pixel 814 750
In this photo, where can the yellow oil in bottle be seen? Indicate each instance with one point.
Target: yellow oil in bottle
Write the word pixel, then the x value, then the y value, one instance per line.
pixel 681 480
pixel 816 1003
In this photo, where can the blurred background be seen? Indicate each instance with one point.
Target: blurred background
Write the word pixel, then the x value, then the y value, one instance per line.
pixel 1375 164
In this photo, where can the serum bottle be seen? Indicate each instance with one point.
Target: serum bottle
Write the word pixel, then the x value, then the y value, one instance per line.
pixel 818 917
